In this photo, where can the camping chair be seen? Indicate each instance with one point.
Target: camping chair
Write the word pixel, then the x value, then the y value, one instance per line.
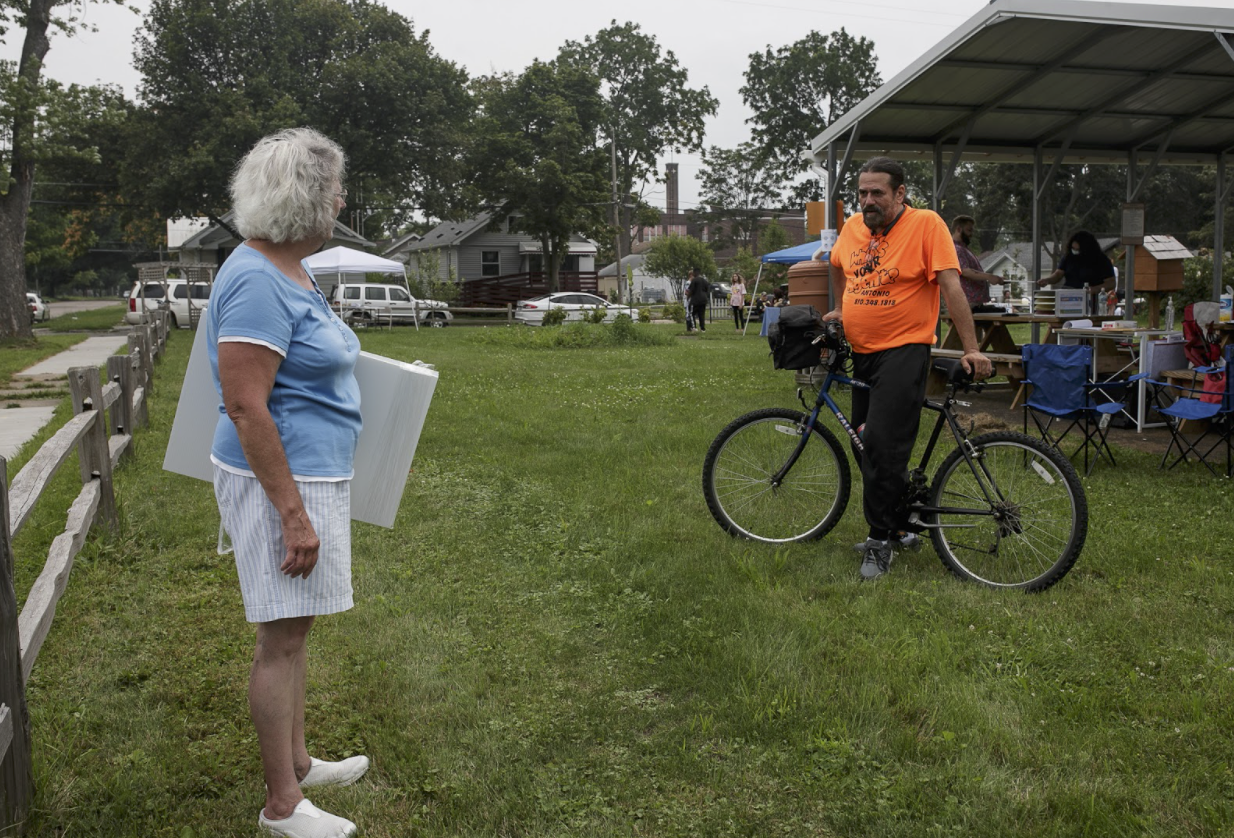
pixel 1210 401
pixel 1062 391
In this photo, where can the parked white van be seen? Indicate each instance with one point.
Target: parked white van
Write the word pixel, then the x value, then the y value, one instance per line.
pixel 371 301
pixel 186 301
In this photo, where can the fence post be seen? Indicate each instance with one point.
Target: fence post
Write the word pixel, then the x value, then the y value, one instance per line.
pixel 92 451
pixel 16 768
pixel 121 413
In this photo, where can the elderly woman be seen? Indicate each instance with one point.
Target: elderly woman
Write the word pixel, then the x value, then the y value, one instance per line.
pixel 283 366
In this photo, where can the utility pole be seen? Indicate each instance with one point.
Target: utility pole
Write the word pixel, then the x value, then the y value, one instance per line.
pixel 621 277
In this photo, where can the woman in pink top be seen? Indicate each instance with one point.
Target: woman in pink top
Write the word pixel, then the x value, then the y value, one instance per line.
pixel 737 299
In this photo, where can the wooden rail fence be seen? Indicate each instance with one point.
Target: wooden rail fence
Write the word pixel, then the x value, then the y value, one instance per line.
pixel 101 431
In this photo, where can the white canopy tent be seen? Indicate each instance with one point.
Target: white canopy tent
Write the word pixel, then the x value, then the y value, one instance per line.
pixel 343 261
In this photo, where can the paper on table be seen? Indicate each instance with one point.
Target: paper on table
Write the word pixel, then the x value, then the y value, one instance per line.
pixel 1078 324
pixel 394 401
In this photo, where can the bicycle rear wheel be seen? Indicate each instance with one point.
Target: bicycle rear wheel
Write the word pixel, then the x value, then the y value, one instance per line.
pixel 742 462
pixel 1021 525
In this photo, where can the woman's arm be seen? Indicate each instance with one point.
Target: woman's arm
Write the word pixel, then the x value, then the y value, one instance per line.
pixel 246 372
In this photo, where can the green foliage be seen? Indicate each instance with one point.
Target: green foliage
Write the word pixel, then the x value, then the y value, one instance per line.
pixel 648 107
pixel 216 76
pixel 1198 280
pixel 736 186
pixel 536 157
pixel 576 335
pixel 595 315
pixel 555 316
pixel 675 312
pixel 675 256
pixel 644 314
pixel 798 90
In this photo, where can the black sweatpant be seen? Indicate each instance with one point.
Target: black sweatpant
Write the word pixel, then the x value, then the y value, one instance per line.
pixel 698 311
pixel 891 412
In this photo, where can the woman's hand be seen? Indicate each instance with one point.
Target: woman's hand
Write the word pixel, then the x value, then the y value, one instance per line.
pixel 302 545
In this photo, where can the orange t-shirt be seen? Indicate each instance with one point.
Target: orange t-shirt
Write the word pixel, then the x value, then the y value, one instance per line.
pixel 891 282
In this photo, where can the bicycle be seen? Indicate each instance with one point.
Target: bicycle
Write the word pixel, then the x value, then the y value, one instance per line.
pixel 1004 509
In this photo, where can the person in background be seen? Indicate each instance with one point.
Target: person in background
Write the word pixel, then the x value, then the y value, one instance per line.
pixel 289 420
pixel 737 299
pixel 973 280
pixel 698 292
pixel 756 310
pixel 1083 266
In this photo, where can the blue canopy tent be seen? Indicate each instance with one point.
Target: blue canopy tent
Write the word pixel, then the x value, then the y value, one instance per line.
pixel 788 256
pixel 793 255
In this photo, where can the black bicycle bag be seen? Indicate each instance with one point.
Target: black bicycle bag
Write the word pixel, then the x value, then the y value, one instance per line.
pixel 792 338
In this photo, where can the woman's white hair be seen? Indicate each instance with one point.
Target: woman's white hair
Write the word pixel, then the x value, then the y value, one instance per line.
pixel 284 188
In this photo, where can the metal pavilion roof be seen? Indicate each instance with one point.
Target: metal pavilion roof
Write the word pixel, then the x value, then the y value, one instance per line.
pixel 1089 81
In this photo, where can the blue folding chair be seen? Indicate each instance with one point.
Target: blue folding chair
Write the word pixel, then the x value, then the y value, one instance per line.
pixel 1190 406
pixel 1063 392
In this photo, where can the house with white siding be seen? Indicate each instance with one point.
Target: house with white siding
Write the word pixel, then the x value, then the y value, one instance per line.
pixel 478 248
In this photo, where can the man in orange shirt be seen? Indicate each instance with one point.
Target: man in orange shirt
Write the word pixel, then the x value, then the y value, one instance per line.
pixel 892 261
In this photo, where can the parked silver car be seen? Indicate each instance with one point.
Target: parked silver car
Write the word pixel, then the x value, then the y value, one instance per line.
pixel 359 303
pixel 186 302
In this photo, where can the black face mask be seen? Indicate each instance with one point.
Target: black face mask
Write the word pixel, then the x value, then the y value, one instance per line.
pixel 966 238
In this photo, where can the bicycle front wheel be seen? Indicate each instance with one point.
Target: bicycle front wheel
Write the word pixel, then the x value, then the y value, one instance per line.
pixel 1018 521
pixel 743 492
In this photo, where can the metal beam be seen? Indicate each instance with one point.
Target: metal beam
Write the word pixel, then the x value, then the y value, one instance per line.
pixel 1085 42
pixel 1188 57
pixel 1223 193
pixel 955 159
pixel 1025 67
pixel 1201 114
pixel 1150 171
pixel 1224 39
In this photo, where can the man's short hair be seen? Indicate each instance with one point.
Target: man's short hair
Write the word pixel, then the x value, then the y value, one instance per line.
pixel 960 220
pixel 886 166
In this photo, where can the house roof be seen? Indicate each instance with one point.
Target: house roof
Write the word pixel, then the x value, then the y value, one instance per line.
pixel 634 260
pixel 449 233
pixel 1084 81
pixel 1166 247
pixel 214 236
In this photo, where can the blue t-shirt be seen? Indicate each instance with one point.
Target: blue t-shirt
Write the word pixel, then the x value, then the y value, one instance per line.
pixel 315 401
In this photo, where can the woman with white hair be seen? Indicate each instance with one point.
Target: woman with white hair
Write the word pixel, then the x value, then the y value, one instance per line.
pixel 283 366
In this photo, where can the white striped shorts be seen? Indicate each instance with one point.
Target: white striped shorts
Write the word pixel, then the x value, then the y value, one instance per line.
pixel 256 532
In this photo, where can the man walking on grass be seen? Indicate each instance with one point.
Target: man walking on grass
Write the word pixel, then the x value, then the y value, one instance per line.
pixel 892 261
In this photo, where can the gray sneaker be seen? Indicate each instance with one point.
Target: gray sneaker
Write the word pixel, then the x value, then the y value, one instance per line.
pixel 876 560
pixel 902 541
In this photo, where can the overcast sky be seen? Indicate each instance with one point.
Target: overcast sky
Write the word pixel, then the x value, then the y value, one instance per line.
pixel 711 40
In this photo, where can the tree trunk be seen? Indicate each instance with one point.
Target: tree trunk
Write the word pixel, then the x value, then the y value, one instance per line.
pixel 15 205
pixel 549 255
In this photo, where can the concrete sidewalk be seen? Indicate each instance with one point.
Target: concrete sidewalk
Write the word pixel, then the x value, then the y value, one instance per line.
pixel 19 424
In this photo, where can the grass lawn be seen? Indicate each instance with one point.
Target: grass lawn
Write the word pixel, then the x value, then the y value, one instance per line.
pixel 557 640
pixel 94 319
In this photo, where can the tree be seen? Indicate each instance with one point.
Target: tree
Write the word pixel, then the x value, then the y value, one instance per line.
pixel 22 99
pixel 647 107
pixel 736 187
pixel 219 74
pixel 673 257
pixel 798 90
pixel 771 238
pixel 536 155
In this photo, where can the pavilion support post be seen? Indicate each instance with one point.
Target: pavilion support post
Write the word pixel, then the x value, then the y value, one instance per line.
pixel 936 199
pixel 1034 280
pixel 1129 279
pixel 1223 193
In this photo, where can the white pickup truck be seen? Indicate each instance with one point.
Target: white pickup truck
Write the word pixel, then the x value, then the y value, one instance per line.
pixel 371 301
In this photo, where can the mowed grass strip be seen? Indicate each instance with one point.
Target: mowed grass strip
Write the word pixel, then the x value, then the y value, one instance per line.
pixel 557 640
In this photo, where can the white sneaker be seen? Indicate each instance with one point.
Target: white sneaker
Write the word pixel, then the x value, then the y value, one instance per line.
pixel 307 821
pixel 342 773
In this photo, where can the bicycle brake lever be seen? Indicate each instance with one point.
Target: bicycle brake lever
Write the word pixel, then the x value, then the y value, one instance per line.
pixel 802 399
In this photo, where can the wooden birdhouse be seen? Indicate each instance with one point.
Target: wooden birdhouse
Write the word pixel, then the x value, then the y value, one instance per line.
pixel 1159 264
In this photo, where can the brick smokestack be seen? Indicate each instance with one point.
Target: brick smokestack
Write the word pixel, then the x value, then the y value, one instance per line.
pixel 671 207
